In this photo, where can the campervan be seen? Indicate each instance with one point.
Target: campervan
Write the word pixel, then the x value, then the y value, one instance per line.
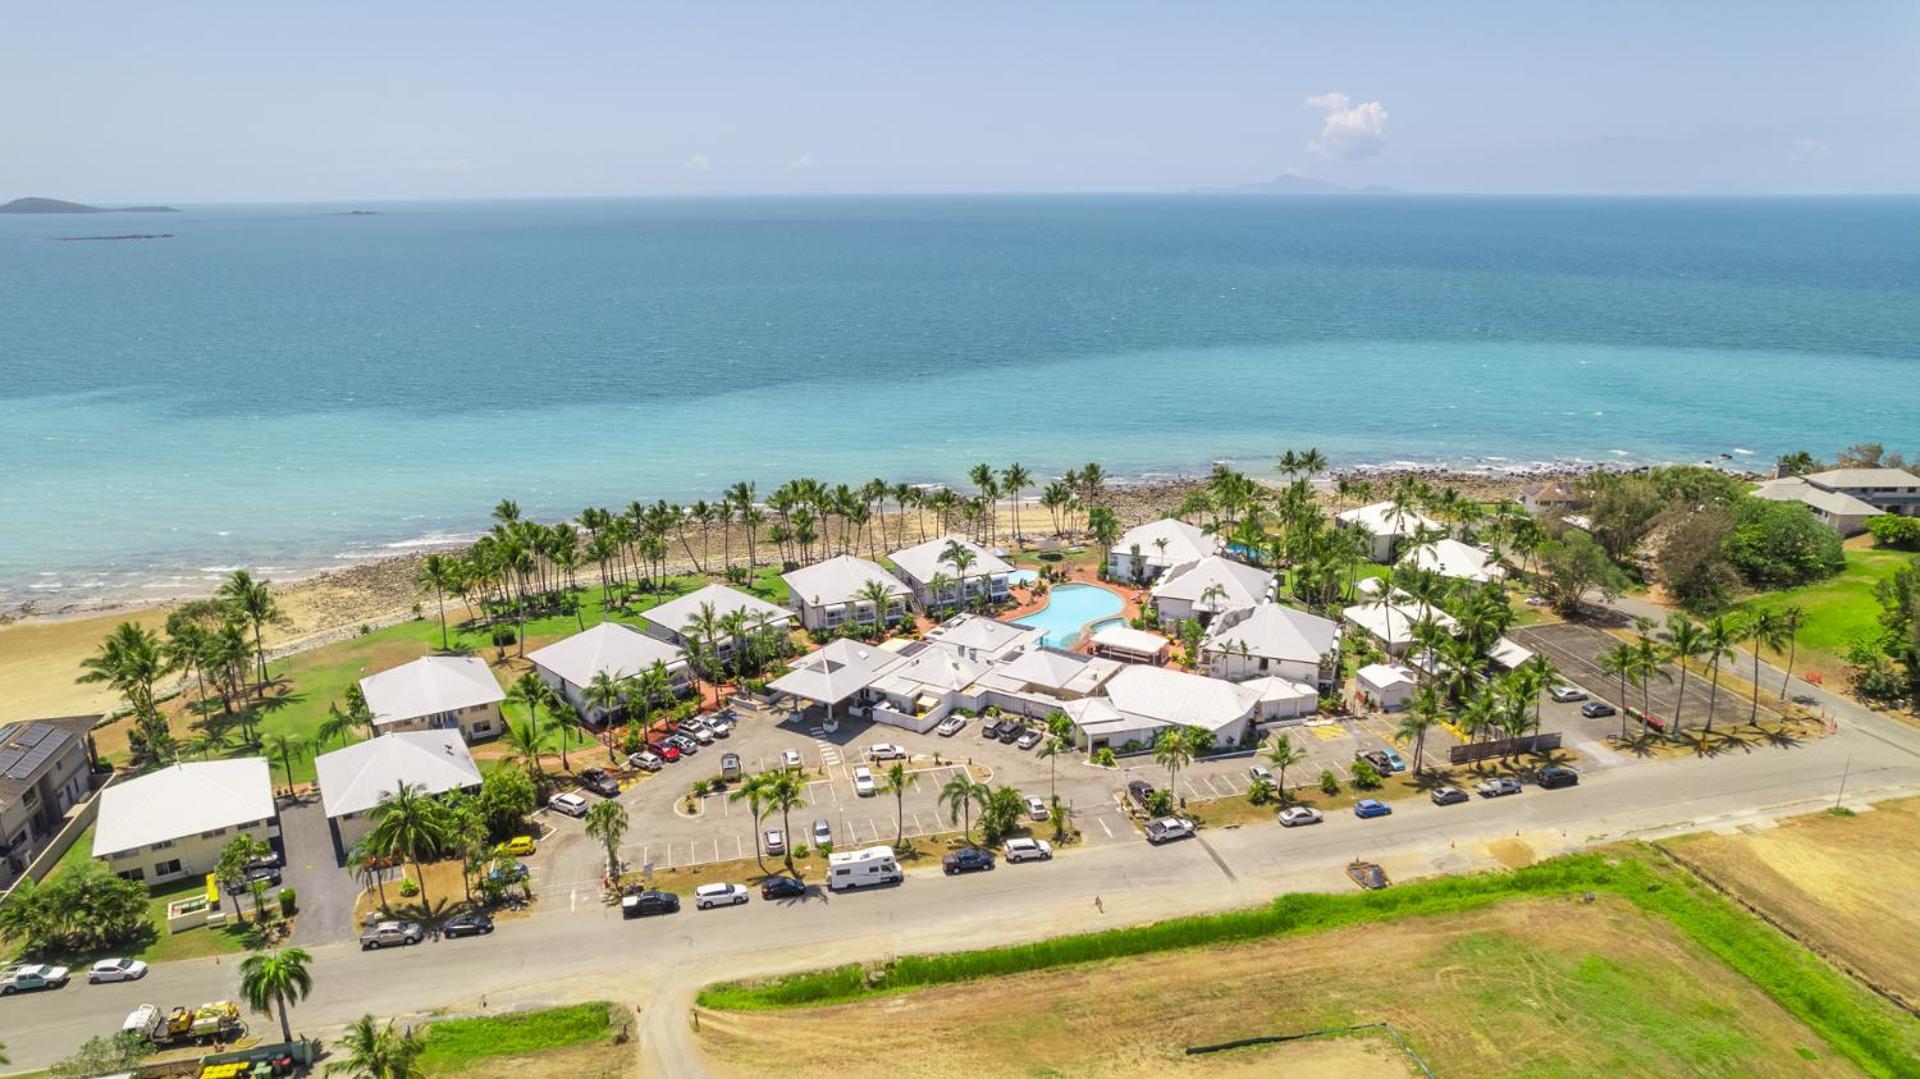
pixel 859 868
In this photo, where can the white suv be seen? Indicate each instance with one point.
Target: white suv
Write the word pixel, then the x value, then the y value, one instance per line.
pixel 887 751
pixel 719 895
pixel 571 804
pixel 1028 850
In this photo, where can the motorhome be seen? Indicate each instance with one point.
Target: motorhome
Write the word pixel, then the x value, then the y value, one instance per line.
pixel 859 868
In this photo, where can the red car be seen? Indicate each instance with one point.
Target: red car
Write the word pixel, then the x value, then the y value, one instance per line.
pixel 664 751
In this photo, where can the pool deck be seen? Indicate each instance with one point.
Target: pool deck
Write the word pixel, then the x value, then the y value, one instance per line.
pixel 1131 600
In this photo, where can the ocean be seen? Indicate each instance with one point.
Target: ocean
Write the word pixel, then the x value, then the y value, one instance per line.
pixel 286 387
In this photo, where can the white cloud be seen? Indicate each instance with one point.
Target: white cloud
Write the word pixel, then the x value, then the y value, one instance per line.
pixel 697 163
pixel 804 161
pixel 1348 132
pixel 1809 149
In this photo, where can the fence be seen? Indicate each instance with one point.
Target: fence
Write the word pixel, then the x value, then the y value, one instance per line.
pixel 1503 747
pixel 79 819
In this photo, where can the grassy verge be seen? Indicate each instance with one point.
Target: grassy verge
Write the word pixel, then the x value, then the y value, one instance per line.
pixel 1857 1024
pixel 1838 609
pixel 457 1043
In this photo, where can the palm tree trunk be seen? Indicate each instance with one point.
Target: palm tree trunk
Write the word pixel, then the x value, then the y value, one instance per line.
pixel 1713 694
pixel 426 901
pixel 1753 716
pixel 280 1006
pixel 1793 645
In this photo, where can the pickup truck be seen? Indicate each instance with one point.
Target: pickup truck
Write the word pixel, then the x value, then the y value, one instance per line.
pixel 390 934
pixel 1495 788
pixel 27 977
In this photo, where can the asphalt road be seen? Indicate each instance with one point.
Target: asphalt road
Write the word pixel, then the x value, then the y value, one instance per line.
pixel 574 949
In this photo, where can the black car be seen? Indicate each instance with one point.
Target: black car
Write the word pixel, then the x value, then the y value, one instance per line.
pixel 1140 791
pixel 782 887
pixel 265 872
pixel 1597 710
pixel 1559 776
pixel 1009 731
pixel 471 924
pixel 966 860
pixel 600 783
pixel 640 904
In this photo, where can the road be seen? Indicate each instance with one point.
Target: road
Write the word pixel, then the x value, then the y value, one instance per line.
pixel 577 950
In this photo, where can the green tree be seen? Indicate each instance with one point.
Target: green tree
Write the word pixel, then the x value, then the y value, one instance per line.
pixel 960 795
pixel 1764 628
pixel 1571 566
pixel 1284 754
pixel 530 692
pixel 132 661
pixel 252 602
pixel 754 793
pixel 439 574
pixel 1686 643
pixel 371 1050
pixel 1173 750
pixel 897 780
pixel 231 869
pixel 1000 813
pixel 1716 647
pixel 287 747
pixel 272 982
pixel 1059 741
pixel 507 796
pixel 116 1054
pixel 1791 616
pixel 607 822
pixel 409 823
pixel 786 791
pixel 356 718
pixel 1423 715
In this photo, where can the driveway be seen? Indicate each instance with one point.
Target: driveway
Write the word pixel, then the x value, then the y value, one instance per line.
pixel 325 890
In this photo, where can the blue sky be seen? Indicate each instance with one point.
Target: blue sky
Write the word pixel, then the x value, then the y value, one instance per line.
pixel 220 101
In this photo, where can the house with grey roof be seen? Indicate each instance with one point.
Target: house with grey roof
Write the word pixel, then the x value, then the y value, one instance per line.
pixel 1837 510
pixel 832 593
pixel 46 768
pixel 986 576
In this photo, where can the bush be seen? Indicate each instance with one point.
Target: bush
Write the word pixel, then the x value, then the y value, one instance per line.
pixel 1329 783
pixel 408 889
pixel 1260 792
pixel 1104 757
pixel 1782 544
pixel 85 908
pixel 1160 804
pixel 1892 530
pixel 1364 777
pixel 288 903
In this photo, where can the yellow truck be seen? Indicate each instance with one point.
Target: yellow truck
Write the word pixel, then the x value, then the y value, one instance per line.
pixel 217 1021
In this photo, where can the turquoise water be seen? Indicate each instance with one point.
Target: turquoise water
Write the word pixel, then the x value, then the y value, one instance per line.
pixel 1023 576
pixel 279 388
pixel 1106 623
pixel 1070 608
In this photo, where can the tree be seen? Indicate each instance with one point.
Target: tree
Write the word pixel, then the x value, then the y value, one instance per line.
pixel 288 747
pixel 1782 544
pixel 507 796
pixel 529 692
pixel 1686 642
pixel 786 791
pixel 1000 813
pixel 1059 741
pixel 408 823
pixel 1693 561
pixel 607 822
pixel 357 716
pixel 374 1051
pixel 439 574
pixel 1014 479
pixel 253 603
pixel 897 780
pixel 1619 661
pixel 231 869
pixel 1765 628
pixel 1174 750
pixel 1574 564
pixel 523 745
pixel 130 660
pixel 272 982
pixel 754 793
pixel 959 795
pixel 118 1054
pixel 1283 754
pixel 1791 616
pixel 961 558
pixel 1716 646
pixel 84 908
pixel 880 595
pixel 1421 717
pixel 606 694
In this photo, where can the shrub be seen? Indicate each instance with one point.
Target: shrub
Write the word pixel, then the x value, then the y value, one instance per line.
pixel 408 889
pixel 1892 530
pixel 1104 757
pixel 1160 804
pixel 1329 783
pixel 1780 544
pixel 288 903
pixel 1260 792
pixel 1364 776
pixel 85 908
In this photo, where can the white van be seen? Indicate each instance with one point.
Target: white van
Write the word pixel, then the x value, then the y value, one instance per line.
pixel 859 868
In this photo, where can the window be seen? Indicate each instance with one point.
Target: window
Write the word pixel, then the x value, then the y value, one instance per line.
pixel 162 845
pixel 213 834
pixel 135 875
pixel 166 868
pixel 29 797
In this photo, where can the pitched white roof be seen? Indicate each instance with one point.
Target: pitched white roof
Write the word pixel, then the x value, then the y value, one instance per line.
pixel 984 636
pixel 839 580
pixel 1394 622
pixel 1451 558
pixel 1128 639
pixel 1098 718
pixel 355 779
pixel 429 686
pixel 1176 697
pixel 1796 489
pixel 1380 519
pixel 1375 677
pixel 1185 542
pixel 182 800
pixel 678 614
pixel 942 670
pixel 1051 668
pixel 1274 690
pixel 1843 478
pixel 621 651
pixel 1274 631
pixel 1244 585
pixel 1508 653
pixel 838 671
pixel 924 561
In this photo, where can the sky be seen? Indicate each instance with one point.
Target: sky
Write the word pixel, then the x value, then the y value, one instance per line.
pixel 214 101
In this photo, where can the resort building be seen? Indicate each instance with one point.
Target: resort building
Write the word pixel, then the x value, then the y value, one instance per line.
pixel 678 620
pixel 1385 687
pixel 1209 587
pixel 1273 640
pixel 1889 490
pixel 1451 558
pixel 1551 498
pixel 1129 645
pixel 838 673
pixel 986 639
pixel 986 577
pixel 1141 701
pixel 436 693
pixel 172 822
pixel 830 594
pixel 358 778
pixel 928 683
pixel 1388 526
pixel 612 649
pixel 908 683
pixel 1145 552
pixel 1837 510
pixel 1392 622
pixel 46 768
pixel 1038 681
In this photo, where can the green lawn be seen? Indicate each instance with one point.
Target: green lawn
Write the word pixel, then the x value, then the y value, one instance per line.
pixel 1841 607
pixel 457 1043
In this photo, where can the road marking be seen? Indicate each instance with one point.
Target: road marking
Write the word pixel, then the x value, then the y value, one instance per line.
pixel 1104 827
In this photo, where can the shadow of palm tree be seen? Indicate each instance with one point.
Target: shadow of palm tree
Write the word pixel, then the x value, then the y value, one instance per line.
pixel 1640 745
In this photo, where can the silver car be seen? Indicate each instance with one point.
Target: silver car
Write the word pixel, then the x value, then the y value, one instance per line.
pixel 116 970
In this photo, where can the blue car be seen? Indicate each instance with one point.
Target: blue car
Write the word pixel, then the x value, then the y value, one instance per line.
pixel 1398 762
pixel 1368 807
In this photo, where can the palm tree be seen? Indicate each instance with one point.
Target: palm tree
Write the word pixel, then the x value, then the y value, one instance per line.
pixel 408 823
pixel 439 574
pixel 1283 754
pixel 961 558
pixel 605 693
pixel 273 982
pixel 131 661
pixel 1620 661
pixel 1013 480
pixel 753 792
pixel 1423 715
pixel 253 603
pixel 341 722
pixel 1174 750
pixel 379 1052
pixel 523 745
pixel 786 791
pixel 1686 642
pixel 530 692
pixel 881 596
pixel 1648 664
pixel 1791 616
pixel 1717 643
pixel 1059 740
pixel 896 780
pixel 1765 628
pixel 607 822
pixel 959 796
pixel 288 747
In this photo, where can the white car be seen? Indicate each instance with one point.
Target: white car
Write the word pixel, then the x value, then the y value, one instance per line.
pixel 571 804
pixel 1295 816
pixel 1567 694
pixel 822 833
pixel 863 781
pixel 698 732
pixel 116 970
pixel 887 751
pixel 1028 850
pixel 1259 771
pixel 951 726
pixel 719 895
pixel 775 840
pixel 1168 828
pixel 1036 808
pixel 790 758
pixel 645 761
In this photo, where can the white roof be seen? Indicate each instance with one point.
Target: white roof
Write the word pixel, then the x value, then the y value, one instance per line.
pixel 1050 668
pixel 1128 639
pixel 1796 489
pixel 678 614
pixel 1274 631
pixel 1176 697
pixel 839 580
pixel 836 672
pixel 1380 676
pixel 1270 690
pixel 1865 477
pixel 621 651
pixel 1243 585
pixel 1098 718
pixel 1508 653
pixel 1451 558
pixel 924 561
pixel 182 800
pixel 1380 519
pixel 941 670
pixel 355 779
pixel 1394 622
pixel 429 686
pixel 1185 542
pixel 980 635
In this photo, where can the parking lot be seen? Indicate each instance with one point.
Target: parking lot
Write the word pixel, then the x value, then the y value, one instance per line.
pixel 1576 651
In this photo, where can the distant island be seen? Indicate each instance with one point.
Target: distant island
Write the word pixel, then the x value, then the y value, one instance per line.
pixel 128 236
pixel 61 206
pixel 353 213
pixel 1288 183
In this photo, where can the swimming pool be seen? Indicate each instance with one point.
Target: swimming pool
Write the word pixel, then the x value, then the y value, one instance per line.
pixel 1069 608
pixel 1023 576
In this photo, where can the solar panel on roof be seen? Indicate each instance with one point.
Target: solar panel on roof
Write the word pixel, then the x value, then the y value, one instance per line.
pixel 30 749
